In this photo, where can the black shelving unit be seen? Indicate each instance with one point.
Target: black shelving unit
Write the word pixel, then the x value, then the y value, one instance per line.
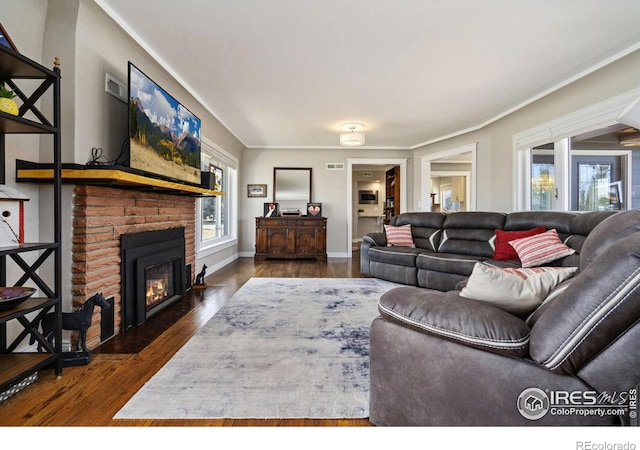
pixel 392 190
pixel 17 366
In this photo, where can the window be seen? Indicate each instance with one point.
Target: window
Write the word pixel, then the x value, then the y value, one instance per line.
pixel 598 180
pixel 543 186
pixel 601 141
pixel 216 215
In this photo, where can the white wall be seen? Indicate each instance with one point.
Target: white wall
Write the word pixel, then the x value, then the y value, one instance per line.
pixel 495 145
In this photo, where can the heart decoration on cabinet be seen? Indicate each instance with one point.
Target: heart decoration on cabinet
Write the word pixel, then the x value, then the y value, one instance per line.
pixel 314 209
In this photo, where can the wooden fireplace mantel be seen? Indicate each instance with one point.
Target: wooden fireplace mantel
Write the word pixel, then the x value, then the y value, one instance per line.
pixel 107 176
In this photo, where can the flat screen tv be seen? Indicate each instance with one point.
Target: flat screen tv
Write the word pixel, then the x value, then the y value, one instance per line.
pixel 164 136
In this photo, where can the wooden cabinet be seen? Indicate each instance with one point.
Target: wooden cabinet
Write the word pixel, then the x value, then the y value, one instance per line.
pixel 15 365
pixel 291 238
pixel 392 197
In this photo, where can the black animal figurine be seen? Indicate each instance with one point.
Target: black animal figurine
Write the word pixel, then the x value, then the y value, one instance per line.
pixel 79 320
pixel 200 276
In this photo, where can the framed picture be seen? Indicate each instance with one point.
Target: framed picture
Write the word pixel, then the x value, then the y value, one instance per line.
pixel 6 40
pixel 256 190
pixel 217 177
pixel 314 209
pixel 271 210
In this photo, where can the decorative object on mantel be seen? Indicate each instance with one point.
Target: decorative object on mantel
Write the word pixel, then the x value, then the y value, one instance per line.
pixel 314 209
pixel 12 215
pixel 199 284
pixel 354 135
pixel 6 40
pixel 271 210
pixel 256 190
pixel 79 321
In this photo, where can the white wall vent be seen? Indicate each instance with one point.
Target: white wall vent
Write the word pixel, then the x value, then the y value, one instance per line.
pixel 335 166
pixel 115 87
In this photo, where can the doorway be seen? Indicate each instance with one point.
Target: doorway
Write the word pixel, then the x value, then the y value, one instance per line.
pixel 448 180
pixel 450 191
pixel 368 174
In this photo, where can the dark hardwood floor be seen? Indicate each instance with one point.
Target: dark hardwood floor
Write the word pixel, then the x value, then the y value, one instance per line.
pixel 91 395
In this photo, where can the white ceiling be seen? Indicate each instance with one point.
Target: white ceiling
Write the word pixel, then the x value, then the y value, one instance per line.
pixel 287 73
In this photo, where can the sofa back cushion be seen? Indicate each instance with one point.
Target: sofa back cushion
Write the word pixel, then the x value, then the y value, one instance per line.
pixel 583 224
pixel 599 305
pixel 606 233
pixel 525 220
pixel 426 227
pixel 470 233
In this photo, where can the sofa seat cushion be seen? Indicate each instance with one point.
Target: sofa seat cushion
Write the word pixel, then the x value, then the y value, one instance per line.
pixel 466 321
pixel 400 256
pixel 448 262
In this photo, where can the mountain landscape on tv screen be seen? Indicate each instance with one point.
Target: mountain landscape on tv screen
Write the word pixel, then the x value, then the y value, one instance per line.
pixel 164 136
pixel 163 140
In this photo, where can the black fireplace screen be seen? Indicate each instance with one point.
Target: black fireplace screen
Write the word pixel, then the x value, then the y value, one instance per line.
pixel 153 273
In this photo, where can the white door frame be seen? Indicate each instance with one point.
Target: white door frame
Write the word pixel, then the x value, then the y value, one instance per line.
pixel 402 162
pixel 425 182
pixel 456 173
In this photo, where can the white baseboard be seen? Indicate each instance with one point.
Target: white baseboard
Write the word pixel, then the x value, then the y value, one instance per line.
pixel 329 255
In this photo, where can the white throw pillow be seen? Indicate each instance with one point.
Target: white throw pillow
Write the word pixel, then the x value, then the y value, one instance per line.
pixel 518 291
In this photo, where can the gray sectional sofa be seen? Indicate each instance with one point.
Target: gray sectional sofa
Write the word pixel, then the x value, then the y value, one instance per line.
pixel 438 358
pixel 447 246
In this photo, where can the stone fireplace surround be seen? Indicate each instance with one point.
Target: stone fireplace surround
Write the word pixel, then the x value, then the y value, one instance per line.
pixel 100 216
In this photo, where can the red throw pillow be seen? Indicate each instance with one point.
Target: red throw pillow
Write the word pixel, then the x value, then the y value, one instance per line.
pixel 503 249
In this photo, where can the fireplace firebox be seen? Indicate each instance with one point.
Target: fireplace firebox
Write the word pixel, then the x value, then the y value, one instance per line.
pixel 153 273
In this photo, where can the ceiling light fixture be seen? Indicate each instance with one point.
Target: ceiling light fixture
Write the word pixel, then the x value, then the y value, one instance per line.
pixel 353 136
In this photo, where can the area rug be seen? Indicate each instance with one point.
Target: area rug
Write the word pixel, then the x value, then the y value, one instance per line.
pixel 279 348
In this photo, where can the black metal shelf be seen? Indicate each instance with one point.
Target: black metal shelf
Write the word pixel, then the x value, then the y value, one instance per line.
pixel 27 247
pixel 16 366
pixel 16 66
pixel 28 306
pixel 18 125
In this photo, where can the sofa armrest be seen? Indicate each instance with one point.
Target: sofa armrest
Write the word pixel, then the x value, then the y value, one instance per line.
pixel 463 320
pixel 375 239
pixel 368 241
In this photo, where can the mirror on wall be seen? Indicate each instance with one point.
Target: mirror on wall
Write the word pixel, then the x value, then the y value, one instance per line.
pixel 292 188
